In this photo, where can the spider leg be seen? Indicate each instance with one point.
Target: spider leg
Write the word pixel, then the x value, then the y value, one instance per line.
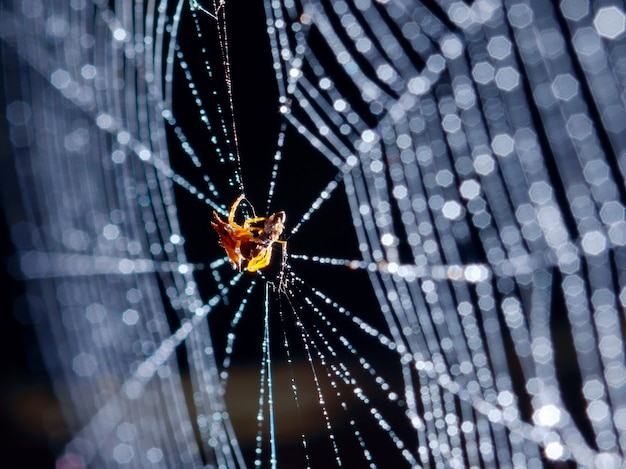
pixel 233 209
pixel 250 221
pixel 254 229
pixel 283 253
pixel 261 261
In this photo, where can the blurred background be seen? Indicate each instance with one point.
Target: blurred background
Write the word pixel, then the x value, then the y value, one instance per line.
pixel 459 171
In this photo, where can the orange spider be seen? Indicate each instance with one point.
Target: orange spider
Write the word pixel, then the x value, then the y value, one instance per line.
pixel 249 247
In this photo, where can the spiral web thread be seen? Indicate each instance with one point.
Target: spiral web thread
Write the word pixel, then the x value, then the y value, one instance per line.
pixel 480 148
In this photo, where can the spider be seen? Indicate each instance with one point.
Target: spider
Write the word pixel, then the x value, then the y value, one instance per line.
pixel 249 247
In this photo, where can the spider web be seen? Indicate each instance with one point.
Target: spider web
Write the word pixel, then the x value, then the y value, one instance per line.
pixel 452 177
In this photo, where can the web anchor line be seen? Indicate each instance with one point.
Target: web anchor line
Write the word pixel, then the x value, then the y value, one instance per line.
pixel 220 18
